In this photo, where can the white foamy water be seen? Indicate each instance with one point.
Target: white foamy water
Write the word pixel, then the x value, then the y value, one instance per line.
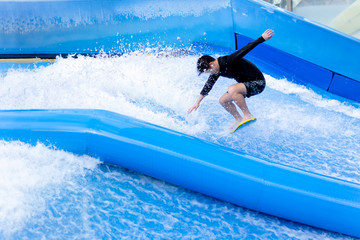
pixel 47 193
pixel 29 177
pixel 144 86
pixel 309 96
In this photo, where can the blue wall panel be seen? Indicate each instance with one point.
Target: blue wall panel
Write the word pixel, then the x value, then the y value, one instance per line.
pixel 89 26
pixel 345 87
pixel 299 37
pixel 281 64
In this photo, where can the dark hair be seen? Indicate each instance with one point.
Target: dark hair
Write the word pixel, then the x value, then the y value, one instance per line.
pixel 203 63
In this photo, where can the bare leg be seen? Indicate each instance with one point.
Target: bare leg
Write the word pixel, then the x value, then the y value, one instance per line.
pixel 237 93
pixel 226 101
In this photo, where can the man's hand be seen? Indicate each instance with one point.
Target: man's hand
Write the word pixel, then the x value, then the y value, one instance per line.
pixel 268 34
pixel 196 105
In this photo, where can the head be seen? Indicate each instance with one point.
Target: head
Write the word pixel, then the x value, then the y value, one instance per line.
pixel 203 63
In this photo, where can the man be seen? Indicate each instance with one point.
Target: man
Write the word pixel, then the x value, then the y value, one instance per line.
pixel 250 80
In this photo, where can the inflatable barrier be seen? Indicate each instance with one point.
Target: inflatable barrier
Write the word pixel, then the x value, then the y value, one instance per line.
pixel 174 157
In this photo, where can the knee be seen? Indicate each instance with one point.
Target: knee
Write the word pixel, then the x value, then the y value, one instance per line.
pixel 232 90
pixel 222 101
pixel 236 90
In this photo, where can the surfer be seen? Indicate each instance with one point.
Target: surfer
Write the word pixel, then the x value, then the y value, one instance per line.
pixel 250 80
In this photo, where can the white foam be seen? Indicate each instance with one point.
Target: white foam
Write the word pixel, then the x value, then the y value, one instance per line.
pixel 145 86
pixel 309 96
pixel 28 175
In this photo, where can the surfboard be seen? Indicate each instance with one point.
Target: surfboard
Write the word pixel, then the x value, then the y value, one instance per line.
pixel 243 123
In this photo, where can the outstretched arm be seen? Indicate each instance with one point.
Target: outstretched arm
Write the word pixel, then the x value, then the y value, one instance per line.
pixel 250 46
pixel 205 91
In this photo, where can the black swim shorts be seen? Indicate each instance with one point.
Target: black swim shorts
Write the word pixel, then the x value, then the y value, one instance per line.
pixel 254 87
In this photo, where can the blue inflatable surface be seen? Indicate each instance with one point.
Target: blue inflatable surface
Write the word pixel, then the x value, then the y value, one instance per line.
pixel 298 52
pixel 210 169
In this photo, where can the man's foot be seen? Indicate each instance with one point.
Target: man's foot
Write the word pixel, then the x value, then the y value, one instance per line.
pixel 247 117
pixel 239 123
pixel 234 125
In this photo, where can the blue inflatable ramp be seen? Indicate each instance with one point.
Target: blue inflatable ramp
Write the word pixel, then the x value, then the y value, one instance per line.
pixel 195 164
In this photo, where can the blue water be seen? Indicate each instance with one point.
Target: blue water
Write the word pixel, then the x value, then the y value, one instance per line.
pixel 48 193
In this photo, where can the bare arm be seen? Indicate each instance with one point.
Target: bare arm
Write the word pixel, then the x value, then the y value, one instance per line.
pixel 197 104
pixel 205 91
